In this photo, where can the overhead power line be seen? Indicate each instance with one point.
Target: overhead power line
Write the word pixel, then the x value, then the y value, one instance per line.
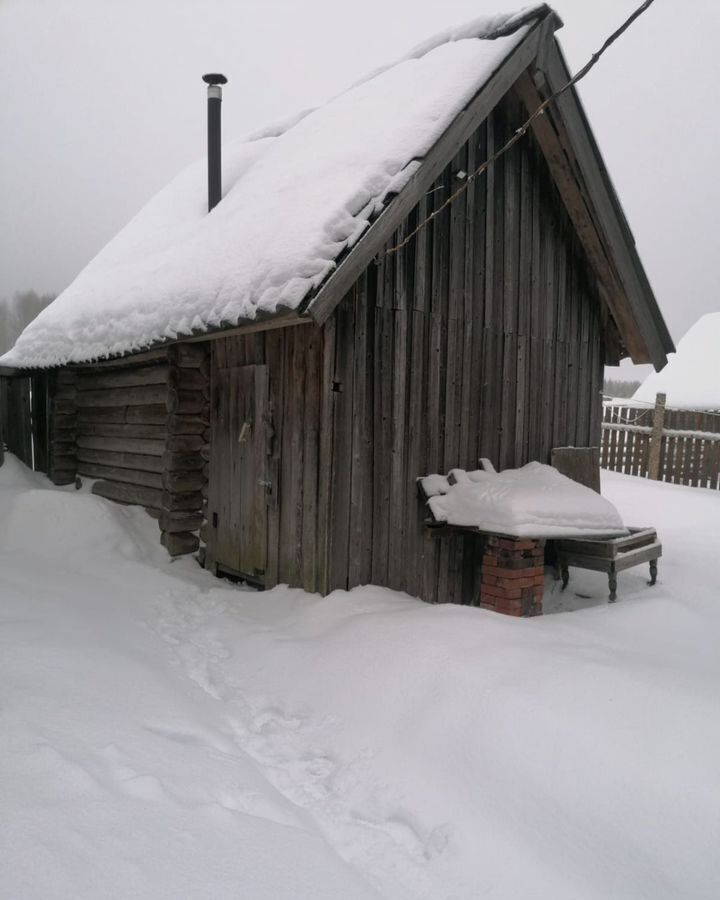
pixel 524 127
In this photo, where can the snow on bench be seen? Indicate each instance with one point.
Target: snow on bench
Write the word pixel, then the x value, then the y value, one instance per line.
pixel 534 501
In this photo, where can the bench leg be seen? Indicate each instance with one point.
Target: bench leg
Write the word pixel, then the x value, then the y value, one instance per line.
pixel 565 574
pixel 612 582
pixel 653 572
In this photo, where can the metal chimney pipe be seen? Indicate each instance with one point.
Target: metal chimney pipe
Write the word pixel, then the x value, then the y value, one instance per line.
pixel 214 81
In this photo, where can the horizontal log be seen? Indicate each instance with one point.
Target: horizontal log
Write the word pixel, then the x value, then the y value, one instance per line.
pixel 63 476
pixel 179 544
pixel 150 414
pixel 64 460
pixel 183 481
pixel 182 501
pixel 207 435
pixel 65 442
pixel 61 420
pixel 128 493
pixel 122 445
pixel 184 443
pixel 65 376
pixel 124 378
pixel 204 532
pixel 204 490
pixel 121 429
pixel 187 379
pixel 130 396
pixel 121 460
pixel 114 473
pixel 153 513
pixel 123 362
pixel 183 462
pixel 205 452
pixel 186 424
pixel 63 436
pixel 65 392
pixel 180 521
pixel 190 355
pixel 192 402
pixel 63 407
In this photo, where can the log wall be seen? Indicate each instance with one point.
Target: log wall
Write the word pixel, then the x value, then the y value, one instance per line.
pixel 483 337
pixel 138 425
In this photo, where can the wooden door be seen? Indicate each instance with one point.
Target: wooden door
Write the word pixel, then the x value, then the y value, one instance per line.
pixel 238 480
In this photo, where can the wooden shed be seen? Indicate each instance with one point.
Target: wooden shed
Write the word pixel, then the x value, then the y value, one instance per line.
pixel 286 444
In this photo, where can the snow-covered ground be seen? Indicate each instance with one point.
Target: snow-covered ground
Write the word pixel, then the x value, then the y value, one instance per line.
pixel 166 735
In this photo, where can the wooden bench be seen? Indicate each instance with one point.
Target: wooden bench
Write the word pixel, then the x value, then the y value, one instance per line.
pixel 611 555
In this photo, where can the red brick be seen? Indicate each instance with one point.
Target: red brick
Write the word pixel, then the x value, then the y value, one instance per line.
pixel 516 582
pixel 505 593
pixel 509 609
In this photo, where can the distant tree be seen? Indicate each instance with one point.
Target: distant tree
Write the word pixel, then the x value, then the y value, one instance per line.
pixel 17 312
pixel 616 387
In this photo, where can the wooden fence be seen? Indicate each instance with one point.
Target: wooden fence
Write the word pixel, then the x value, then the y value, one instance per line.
pixel 24 419
pixel 679 446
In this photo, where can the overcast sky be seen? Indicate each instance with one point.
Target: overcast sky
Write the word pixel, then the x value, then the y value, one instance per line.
pixel 101 104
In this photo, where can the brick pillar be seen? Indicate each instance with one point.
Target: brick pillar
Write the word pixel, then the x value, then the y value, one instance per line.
pixel 513 576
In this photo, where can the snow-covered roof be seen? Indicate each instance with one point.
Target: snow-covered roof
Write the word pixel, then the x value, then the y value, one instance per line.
pixel 691 379
pixel 295 197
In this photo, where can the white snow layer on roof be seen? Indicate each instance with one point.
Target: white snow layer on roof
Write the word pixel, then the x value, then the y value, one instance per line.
pixel 533 501
pixel 294 197
pixel 691 379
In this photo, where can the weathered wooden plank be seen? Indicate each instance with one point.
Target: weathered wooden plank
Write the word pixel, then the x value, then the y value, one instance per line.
pixel 178 521
pixel 188 501
pixel 342 388
pixel 128 493
pixel 361 475
pixel 122 378
pixel 382 438
pixel 325 455
pixel 135 461
pixel 273 355
pixel 180 544
pixel 184 482
pixel 291 474
pixel 399 476
pixel 153 414
pixel 116 429
pixel 190 355
pixel 185 402
pixel 41 414
pixel 130 396
pixel 188 379
pixel 114 473
pixel 122 445
pixel 311 344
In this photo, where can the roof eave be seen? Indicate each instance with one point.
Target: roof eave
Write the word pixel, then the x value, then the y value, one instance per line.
pixel 642 326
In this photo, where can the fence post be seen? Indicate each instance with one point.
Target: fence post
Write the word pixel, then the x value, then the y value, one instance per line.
pixel 656 437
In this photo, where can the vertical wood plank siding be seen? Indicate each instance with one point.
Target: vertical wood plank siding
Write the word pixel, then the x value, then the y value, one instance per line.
pixel 484 336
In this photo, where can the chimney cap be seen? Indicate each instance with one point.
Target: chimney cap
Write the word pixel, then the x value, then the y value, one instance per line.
pixel 214 78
